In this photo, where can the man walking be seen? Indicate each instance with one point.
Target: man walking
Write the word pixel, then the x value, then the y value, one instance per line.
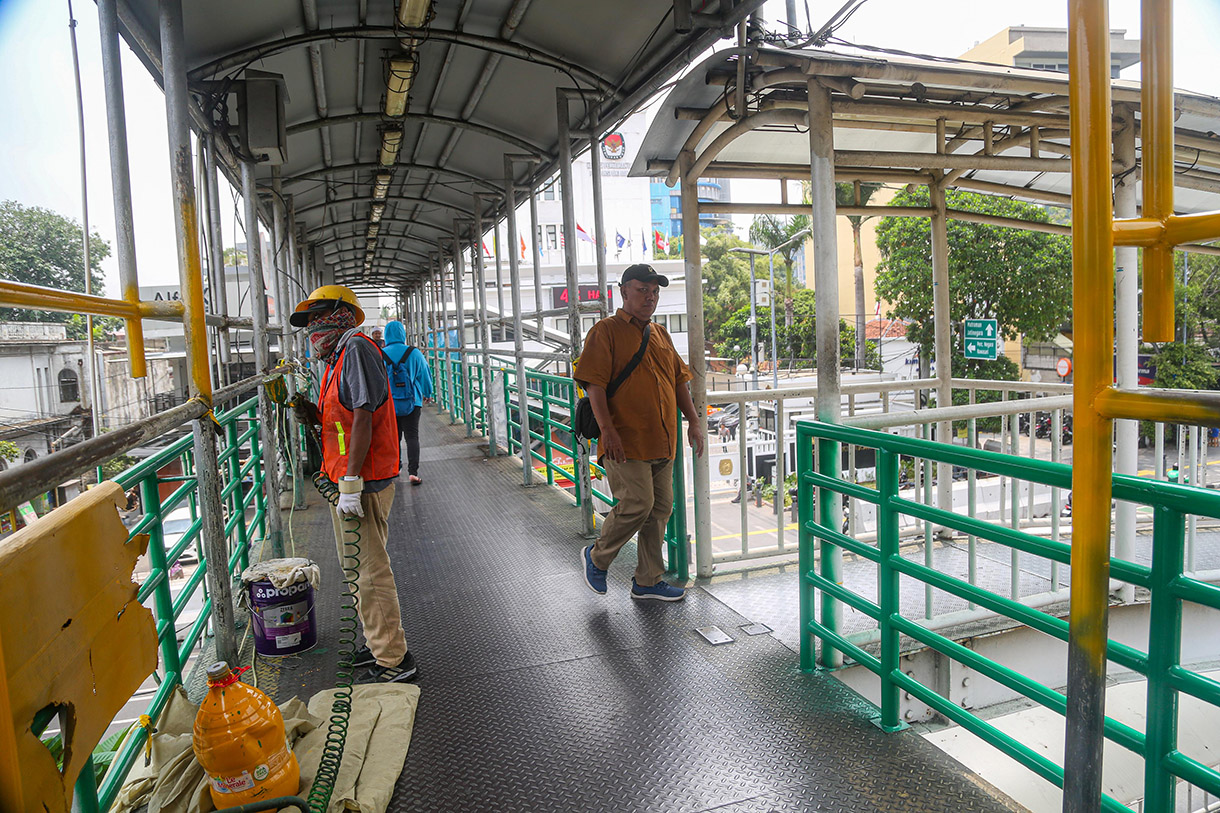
pixel 359 455
pixel 639 431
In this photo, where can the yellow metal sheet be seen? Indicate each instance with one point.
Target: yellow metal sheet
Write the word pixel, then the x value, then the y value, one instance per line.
pixel 71 633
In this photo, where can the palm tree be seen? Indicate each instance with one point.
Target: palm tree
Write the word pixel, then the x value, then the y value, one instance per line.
pixel 857 194
pixel 770 231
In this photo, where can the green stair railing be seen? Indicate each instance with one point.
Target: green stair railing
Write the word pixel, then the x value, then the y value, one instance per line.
pixel 821 488
pixel 245 511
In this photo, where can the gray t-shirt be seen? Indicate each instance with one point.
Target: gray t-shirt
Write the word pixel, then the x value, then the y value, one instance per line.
pixel 363 384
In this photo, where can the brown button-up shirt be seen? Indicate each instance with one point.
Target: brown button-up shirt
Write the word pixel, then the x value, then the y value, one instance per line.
pixel 645 407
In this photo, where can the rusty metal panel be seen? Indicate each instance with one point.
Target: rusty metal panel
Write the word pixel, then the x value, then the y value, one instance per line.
pixel 71 634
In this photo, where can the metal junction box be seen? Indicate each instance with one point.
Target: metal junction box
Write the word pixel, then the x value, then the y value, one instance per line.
pixel 262 116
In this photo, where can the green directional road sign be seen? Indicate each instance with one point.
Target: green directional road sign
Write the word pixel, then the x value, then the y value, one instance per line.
pixel 982 339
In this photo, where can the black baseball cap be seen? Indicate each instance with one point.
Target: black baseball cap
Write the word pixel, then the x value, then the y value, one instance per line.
pixel 644 273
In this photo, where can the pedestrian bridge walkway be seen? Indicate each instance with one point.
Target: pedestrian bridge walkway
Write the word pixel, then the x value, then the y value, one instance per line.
pixel 538 695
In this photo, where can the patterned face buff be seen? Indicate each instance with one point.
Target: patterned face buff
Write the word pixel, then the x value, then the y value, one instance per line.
pixel 325 332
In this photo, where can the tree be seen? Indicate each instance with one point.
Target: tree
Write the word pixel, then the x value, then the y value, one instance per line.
pixel 857 194
pixel 795 341
pixel 1197 296
pixel 41 247
pixel 1020 278
pixel 1182 366
pixel 9 451
pixel 728 279
pixel 770 231
pixel 234 256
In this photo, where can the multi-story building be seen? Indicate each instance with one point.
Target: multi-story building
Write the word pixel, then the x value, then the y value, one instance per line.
pixel 1046 49
pixel 666 206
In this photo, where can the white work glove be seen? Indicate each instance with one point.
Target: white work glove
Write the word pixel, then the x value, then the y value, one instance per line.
pixel 349 506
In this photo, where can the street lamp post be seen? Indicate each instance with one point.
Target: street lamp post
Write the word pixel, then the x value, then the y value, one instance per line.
pixel 753 327
pixel 800 235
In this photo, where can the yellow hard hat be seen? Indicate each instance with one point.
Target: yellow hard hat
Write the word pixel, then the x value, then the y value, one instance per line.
pixel 324 299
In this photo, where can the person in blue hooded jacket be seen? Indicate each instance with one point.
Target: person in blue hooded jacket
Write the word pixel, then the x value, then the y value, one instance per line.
pixel 411 386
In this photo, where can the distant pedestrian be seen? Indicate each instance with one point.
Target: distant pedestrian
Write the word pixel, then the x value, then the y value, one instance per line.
pixel 411 385
pixel 377 337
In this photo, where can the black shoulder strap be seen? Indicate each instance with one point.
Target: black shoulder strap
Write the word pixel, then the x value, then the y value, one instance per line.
pixel 631 365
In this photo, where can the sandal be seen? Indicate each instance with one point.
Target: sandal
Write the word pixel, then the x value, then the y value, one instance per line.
pixel 415 479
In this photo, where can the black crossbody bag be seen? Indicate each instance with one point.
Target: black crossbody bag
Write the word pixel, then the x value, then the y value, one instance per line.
pixel 586 422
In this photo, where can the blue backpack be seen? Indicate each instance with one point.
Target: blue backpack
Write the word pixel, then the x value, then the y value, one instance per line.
pixel 401 386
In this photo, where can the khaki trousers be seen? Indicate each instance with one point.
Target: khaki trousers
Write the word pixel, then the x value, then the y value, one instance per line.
pixel 645 492
pixel 377 599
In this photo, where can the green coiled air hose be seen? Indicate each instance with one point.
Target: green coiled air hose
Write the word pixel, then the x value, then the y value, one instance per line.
pixel 341 708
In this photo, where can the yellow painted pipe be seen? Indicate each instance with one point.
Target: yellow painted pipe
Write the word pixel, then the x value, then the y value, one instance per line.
pixel 1156 126
pixel 1176 230
pixel 166 309
pixel 193 324
pixel 1170 406
pixel 1141 232
pixel 1181 229
pixel 1093 332
pixel 22 295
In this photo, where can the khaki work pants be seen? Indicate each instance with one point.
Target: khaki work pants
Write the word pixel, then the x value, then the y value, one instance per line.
pixel 377 599
pixel 645 492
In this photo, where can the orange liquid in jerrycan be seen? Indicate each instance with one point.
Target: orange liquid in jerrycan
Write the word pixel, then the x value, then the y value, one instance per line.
pixel 239 740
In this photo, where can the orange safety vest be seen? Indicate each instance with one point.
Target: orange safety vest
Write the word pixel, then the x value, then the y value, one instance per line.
pixel 382 460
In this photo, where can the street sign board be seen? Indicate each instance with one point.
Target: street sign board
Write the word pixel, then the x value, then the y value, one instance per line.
pixel 982 340
pixel 1064 367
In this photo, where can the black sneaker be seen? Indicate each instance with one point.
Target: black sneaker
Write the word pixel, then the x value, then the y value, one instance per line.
pixel 404 671
pixel 363 657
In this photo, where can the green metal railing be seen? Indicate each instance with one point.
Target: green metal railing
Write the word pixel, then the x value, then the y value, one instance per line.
pixel 1165 578
pixel 551 403
pixel 240 460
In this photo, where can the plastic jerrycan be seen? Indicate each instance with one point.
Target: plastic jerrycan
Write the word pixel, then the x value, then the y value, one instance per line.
pixel 239 740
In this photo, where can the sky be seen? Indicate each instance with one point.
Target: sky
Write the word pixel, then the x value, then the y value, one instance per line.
pixel 39 146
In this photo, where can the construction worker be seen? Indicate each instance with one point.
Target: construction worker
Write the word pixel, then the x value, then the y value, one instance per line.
pixel 360 456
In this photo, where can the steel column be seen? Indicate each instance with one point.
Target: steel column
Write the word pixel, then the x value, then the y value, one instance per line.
pixel 499 249
pixel 1126 338
pixel 943 343
pixel 281 258
pixel 262 359
pixel 1093 319
pixel 536 241
pixel 444 368
pixel 459 299
pixel 826 283
pixel 753 327
pixel 693 264
pixel 583 477
pixel 599 221
pixel 120 178
pixel 216 262
pixel 514 282
pixel 177 99
pixel 484 328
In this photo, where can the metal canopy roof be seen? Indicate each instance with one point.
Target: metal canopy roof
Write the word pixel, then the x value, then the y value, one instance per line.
pixel 886 114
pixel 484 86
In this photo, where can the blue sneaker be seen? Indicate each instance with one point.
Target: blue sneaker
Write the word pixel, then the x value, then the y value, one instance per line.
pixel 661 591
pixel 595 577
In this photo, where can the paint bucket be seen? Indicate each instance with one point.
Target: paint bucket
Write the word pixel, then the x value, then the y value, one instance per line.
pixel 281 601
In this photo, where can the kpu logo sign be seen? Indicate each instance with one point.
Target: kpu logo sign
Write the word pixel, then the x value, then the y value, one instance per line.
pixel 613 147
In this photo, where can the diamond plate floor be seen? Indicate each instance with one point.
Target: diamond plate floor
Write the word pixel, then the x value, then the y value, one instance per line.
pixel 539 695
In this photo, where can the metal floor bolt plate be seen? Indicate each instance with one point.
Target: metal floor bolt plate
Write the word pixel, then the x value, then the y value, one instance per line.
pixel 540 696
